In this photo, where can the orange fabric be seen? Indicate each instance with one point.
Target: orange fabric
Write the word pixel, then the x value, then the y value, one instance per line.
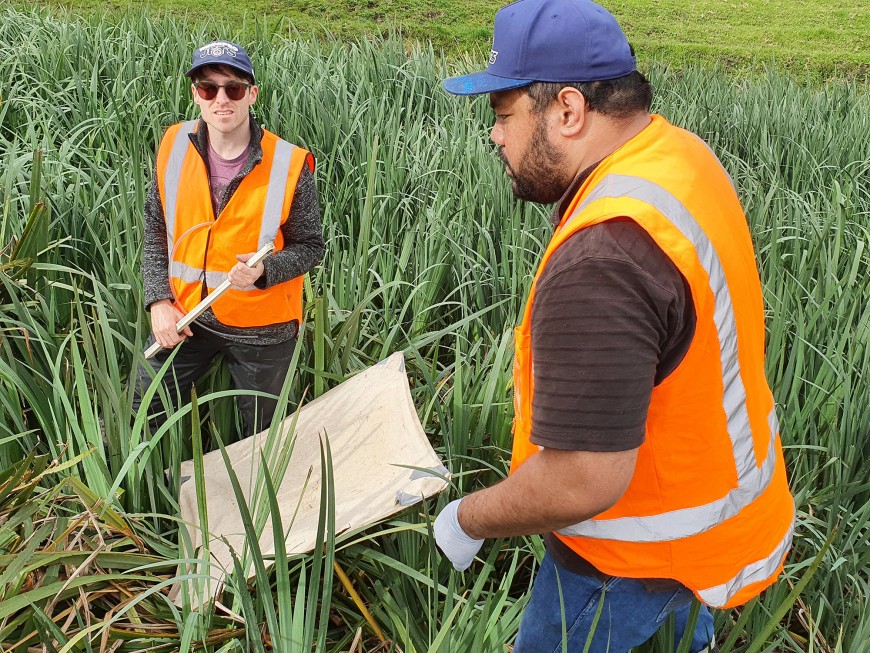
pixel 208 242
pixel 687 459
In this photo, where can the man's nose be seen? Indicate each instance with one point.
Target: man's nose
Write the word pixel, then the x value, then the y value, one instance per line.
pixel 496 134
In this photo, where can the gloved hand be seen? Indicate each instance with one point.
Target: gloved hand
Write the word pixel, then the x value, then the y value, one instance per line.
pixel 452 540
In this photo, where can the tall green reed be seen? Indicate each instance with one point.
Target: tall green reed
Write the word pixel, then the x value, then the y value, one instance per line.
pixel 427 252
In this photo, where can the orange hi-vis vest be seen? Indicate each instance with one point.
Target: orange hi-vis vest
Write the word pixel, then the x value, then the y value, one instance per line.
pixel 203 247
pixel 709 503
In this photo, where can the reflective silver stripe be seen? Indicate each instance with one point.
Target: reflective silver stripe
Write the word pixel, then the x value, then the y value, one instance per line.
pixel 752 480
pixel 773 421
pixel 274 205
pixel 685 522
pixel 753 573
pixel 214 279
pixel 190 274
pixel 272 209
pixel 173 177
pixel 185 273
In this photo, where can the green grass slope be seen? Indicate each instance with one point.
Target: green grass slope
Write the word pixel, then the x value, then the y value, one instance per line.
pixel 825 38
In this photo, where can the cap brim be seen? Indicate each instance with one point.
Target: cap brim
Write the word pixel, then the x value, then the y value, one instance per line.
pixel 480 83
pixel 190 72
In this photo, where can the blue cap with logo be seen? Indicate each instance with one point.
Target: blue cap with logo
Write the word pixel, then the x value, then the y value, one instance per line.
pixel 222 53
pixel 550 41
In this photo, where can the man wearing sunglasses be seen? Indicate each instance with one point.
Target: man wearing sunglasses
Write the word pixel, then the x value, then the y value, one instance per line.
pixel 224 187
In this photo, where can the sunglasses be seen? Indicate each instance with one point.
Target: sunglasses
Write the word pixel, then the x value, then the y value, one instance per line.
pixel 235 90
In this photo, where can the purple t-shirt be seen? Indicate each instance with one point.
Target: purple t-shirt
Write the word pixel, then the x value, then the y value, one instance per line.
pixel 222 172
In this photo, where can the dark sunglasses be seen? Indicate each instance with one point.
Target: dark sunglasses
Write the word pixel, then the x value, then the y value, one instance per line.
pixel 234 90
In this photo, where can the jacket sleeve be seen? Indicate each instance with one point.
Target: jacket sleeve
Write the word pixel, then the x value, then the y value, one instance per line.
pixel 155 255
pixel 303 236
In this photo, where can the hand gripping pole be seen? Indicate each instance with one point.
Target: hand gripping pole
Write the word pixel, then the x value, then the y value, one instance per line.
pixel 199 309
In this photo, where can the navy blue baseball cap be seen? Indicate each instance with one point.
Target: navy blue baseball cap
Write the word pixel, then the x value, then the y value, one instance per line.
pixel 550 41
pixel 222 52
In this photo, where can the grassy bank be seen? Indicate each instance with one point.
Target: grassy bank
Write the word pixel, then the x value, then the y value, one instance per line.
pixel 809 39
pixel 427 253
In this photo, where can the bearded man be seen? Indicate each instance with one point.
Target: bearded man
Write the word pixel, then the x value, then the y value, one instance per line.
pixel 646 444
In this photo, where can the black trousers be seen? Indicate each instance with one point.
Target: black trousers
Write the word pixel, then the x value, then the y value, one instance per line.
pixel 252 367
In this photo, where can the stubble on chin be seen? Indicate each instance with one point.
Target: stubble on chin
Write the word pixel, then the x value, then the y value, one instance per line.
pixel 541 176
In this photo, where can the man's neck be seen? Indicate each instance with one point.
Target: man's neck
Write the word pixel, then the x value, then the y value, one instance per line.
pixel 230 145
pixel 609 136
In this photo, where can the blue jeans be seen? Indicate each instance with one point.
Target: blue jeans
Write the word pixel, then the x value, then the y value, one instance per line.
pixel 631 614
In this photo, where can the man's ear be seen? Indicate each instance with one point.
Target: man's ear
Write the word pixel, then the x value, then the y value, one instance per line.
pixel 573 110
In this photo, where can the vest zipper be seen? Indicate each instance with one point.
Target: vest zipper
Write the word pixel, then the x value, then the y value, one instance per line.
pixel 204 289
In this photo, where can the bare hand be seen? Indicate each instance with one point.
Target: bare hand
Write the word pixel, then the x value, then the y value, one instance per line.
pixel 241 276
pixel 164 317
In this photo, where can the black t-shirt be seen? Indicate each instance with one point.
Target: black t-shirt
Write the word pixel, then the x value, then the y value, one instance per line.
pixel 612 318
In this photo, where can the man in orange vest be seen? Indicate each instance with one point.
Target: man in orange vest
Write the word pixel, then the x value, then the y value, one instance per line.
pixel 225 187
pixel 646 444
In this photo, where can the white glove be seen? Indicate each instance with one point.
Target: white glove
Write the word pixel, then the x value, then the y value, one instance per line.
pixel 452 540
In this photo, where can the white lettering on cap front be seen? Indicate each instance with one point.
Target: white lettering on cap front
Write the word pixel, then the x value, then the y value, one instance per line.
pixel 218 49
pixel 493 55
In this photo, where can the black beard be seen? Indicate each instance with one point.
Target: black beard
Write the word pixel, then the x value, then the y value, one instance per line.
pixel 541 177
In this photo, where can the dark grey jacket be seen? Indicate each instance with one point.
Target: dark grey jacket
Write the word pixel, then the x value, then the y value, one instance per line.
pixel 303 243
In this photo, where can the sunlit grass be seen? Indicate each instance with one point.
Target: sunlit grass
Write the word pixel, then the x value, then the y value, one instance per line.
pixel 818 40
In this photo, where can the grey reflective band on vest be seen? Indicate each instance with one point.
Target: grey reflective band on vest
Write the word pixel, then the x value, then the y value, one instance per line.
pixel 752 573
pixel 274 205
pixel 751 479
pixel 189 274
pixel 677 524
pixel 272 209
pixel 184 272
pixel 173 177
